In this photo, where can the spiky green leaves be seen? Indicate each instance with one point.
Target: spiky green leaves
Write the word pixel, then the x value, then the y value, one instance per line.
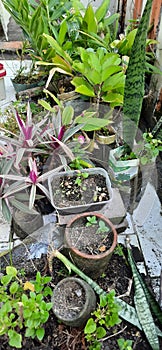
pixel 135 78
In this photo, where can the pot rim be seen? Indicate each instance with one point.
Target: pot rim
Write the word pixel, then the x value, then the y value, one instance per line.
pixel 83 285
pixel 90 256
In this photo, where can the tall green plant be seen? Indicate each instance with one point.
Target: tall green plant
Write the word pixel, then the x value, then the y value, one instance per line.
pixel 135 80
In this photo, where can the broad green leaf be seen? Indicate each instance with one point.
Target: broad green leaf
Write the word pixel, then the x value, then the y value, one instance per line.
pixel 102 10
pixel 67 115
pixel 15 339
pixel 40 333
pixel 84 90
pixel 106 73
pixel 90 20
pixel 94 77
pixel 90 326
pixel 113 97
pixel 62 32
pixel 100 332
pixel 54 44
pixel 14 287
pixel 6 279
pixel 91 124
pixel 11 270
pixel 114 82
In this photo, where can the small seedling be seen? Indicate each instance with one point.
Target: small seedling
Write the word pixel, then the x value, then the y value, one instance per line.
pixel 102 227
pixel 119 250
pixel 91 220
pixel 124 344
pixel 79 180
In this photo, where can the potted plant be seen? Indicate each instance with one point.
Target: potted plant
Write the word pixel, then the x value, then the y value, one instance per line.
pixel 133 97
pixel 106 135
pixel 100 76
pixel 73 301
pixel 90 239
pixel 75 191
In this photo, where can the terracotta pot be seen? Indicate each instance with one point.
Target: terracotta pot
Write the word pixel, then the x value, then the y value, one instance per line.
pixel 91 264
pixel 73 301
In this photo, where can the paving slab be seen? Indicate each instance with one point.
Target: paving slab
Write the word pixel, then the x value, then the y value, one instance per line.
pixel 148 223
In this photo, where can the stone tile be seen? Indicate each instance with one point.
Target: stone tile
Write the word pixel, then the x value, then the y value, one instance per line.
pixel 149 230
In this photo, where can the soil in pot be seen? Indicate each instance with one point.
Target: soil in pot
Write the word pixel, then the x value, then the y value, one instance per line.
pixel 90 246
pixel 80 190
pixel 73 301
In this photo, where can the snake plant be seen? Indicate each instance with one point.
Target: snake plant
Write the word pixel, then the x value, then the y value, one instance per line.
pixel 144 304
pixel 126 312
pixel 135 80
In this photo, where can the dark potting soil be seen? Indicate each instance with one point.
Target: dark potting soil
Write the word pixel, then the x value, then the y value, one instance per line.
pixel 69 300
pixel 77 190
pixel 90 240
pixel 60 337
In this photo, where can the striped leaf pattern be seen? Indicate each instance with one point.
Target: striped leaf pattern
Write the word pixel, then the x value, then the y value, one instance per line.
pixel 142 307
pixel 135 80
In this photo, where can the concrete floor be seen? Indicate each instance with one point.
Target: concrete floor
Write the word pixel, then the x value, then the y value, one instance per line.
pixel 145 225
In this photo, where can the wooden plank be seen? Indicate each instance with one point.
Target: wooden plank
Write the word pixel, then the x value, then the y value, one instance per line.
pixel 11 45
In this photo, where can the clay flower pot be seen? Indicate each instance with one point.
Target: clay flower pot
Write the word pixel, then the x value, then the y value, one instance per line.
pixel 89 249
pixel 73 301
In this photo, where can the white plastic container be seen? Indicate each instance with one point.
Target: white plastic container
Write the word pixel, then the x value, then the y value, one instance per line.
pixel 2 84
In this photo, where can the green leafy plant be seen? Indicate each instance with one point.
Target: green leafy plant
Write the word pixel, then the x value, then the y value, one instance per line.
pixel 79 180
pixel 105 316
pixel 149 149
pixel 23 305
pixel 125 344
pixel 126 311
pixel 101 76
pixel 135 80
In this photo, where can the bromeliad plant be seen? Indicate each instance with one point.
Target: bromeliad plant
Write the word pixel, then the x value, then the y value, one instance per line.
pixel 20 171
pixel 23 305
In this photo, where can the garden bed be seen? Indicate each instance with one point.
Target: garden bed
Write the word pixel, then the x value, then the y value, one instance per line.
pixel 58 336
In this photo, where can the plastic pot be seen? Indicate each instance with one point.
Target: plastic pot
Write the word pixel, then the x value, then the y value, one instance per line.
pixel 109 139
pixel 122 170
pixel 91 264
pixel 74 207
pixel 73 301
